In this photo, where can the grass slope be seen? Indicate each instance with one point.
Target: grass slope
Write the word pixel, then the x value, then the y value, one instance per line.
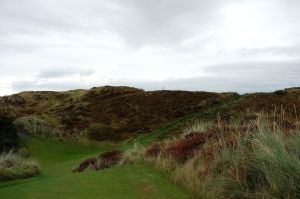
pixel 57 181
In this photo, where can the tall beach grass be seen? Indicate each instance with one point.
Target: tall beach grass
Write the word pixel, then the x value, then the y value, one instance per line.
pixel 258 160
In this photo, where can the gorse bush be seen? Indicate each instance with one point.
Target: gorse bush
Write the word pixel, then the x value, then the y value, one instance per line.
pixel 259 160
pixel 14 166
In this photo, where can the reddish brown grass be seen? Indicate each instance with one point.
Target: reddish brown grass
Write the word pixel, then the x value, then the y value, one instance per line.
pixel 109 159
pixel 184 148
pixel 154 150
pixel 90 162
pixel 104 160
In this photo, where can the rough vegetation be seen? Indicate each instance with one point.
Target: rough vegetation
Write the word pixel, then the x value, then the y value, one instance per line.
pixel 260 159
pixel 15 165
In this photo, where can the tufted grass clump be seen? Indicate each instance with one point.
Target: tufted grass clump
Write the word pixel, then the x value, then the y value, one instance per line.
pixel 13 166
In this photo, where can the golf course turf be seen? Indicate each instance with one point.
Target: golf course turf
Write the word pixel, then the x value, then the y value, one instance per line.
pixel 57 181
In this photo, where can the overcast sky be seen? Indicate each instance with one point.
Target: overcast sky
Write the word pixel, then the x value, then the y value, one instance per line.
pixel 212 45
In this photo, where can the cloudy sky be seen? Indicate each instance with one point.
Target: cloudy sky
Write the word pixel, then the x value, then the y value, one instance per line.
pixel 215 45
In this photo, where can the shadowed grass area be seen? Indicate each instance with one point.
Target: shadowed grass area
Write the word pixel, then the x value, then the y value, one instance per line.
pixel 57 181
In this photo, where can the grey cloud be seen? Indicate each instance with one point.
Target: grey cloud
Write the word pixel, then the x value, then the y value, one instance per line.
pixel 244 69
pixel 63 72
pixel 54 79
pixel 56 86
pixel 139 22
pixel 276 50
pixel 166 22
pixel 36 17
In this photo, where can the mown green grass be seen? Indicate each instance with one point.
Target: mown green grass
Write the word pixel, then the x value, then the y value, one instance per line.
pixel 57 181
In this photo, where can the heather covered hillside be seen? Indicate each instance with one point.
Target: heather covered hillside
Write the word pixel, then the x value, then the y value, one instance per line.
pixel 104 113
pixel 118 113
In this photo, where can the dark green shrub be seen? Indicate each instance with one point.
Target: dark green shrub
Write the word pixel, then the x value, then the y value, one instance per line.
pixel 8 134
pixel 280 92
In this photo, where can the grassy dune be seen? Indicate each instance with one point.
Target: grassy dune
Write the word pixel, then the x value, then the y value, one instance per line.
pixel 57 181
